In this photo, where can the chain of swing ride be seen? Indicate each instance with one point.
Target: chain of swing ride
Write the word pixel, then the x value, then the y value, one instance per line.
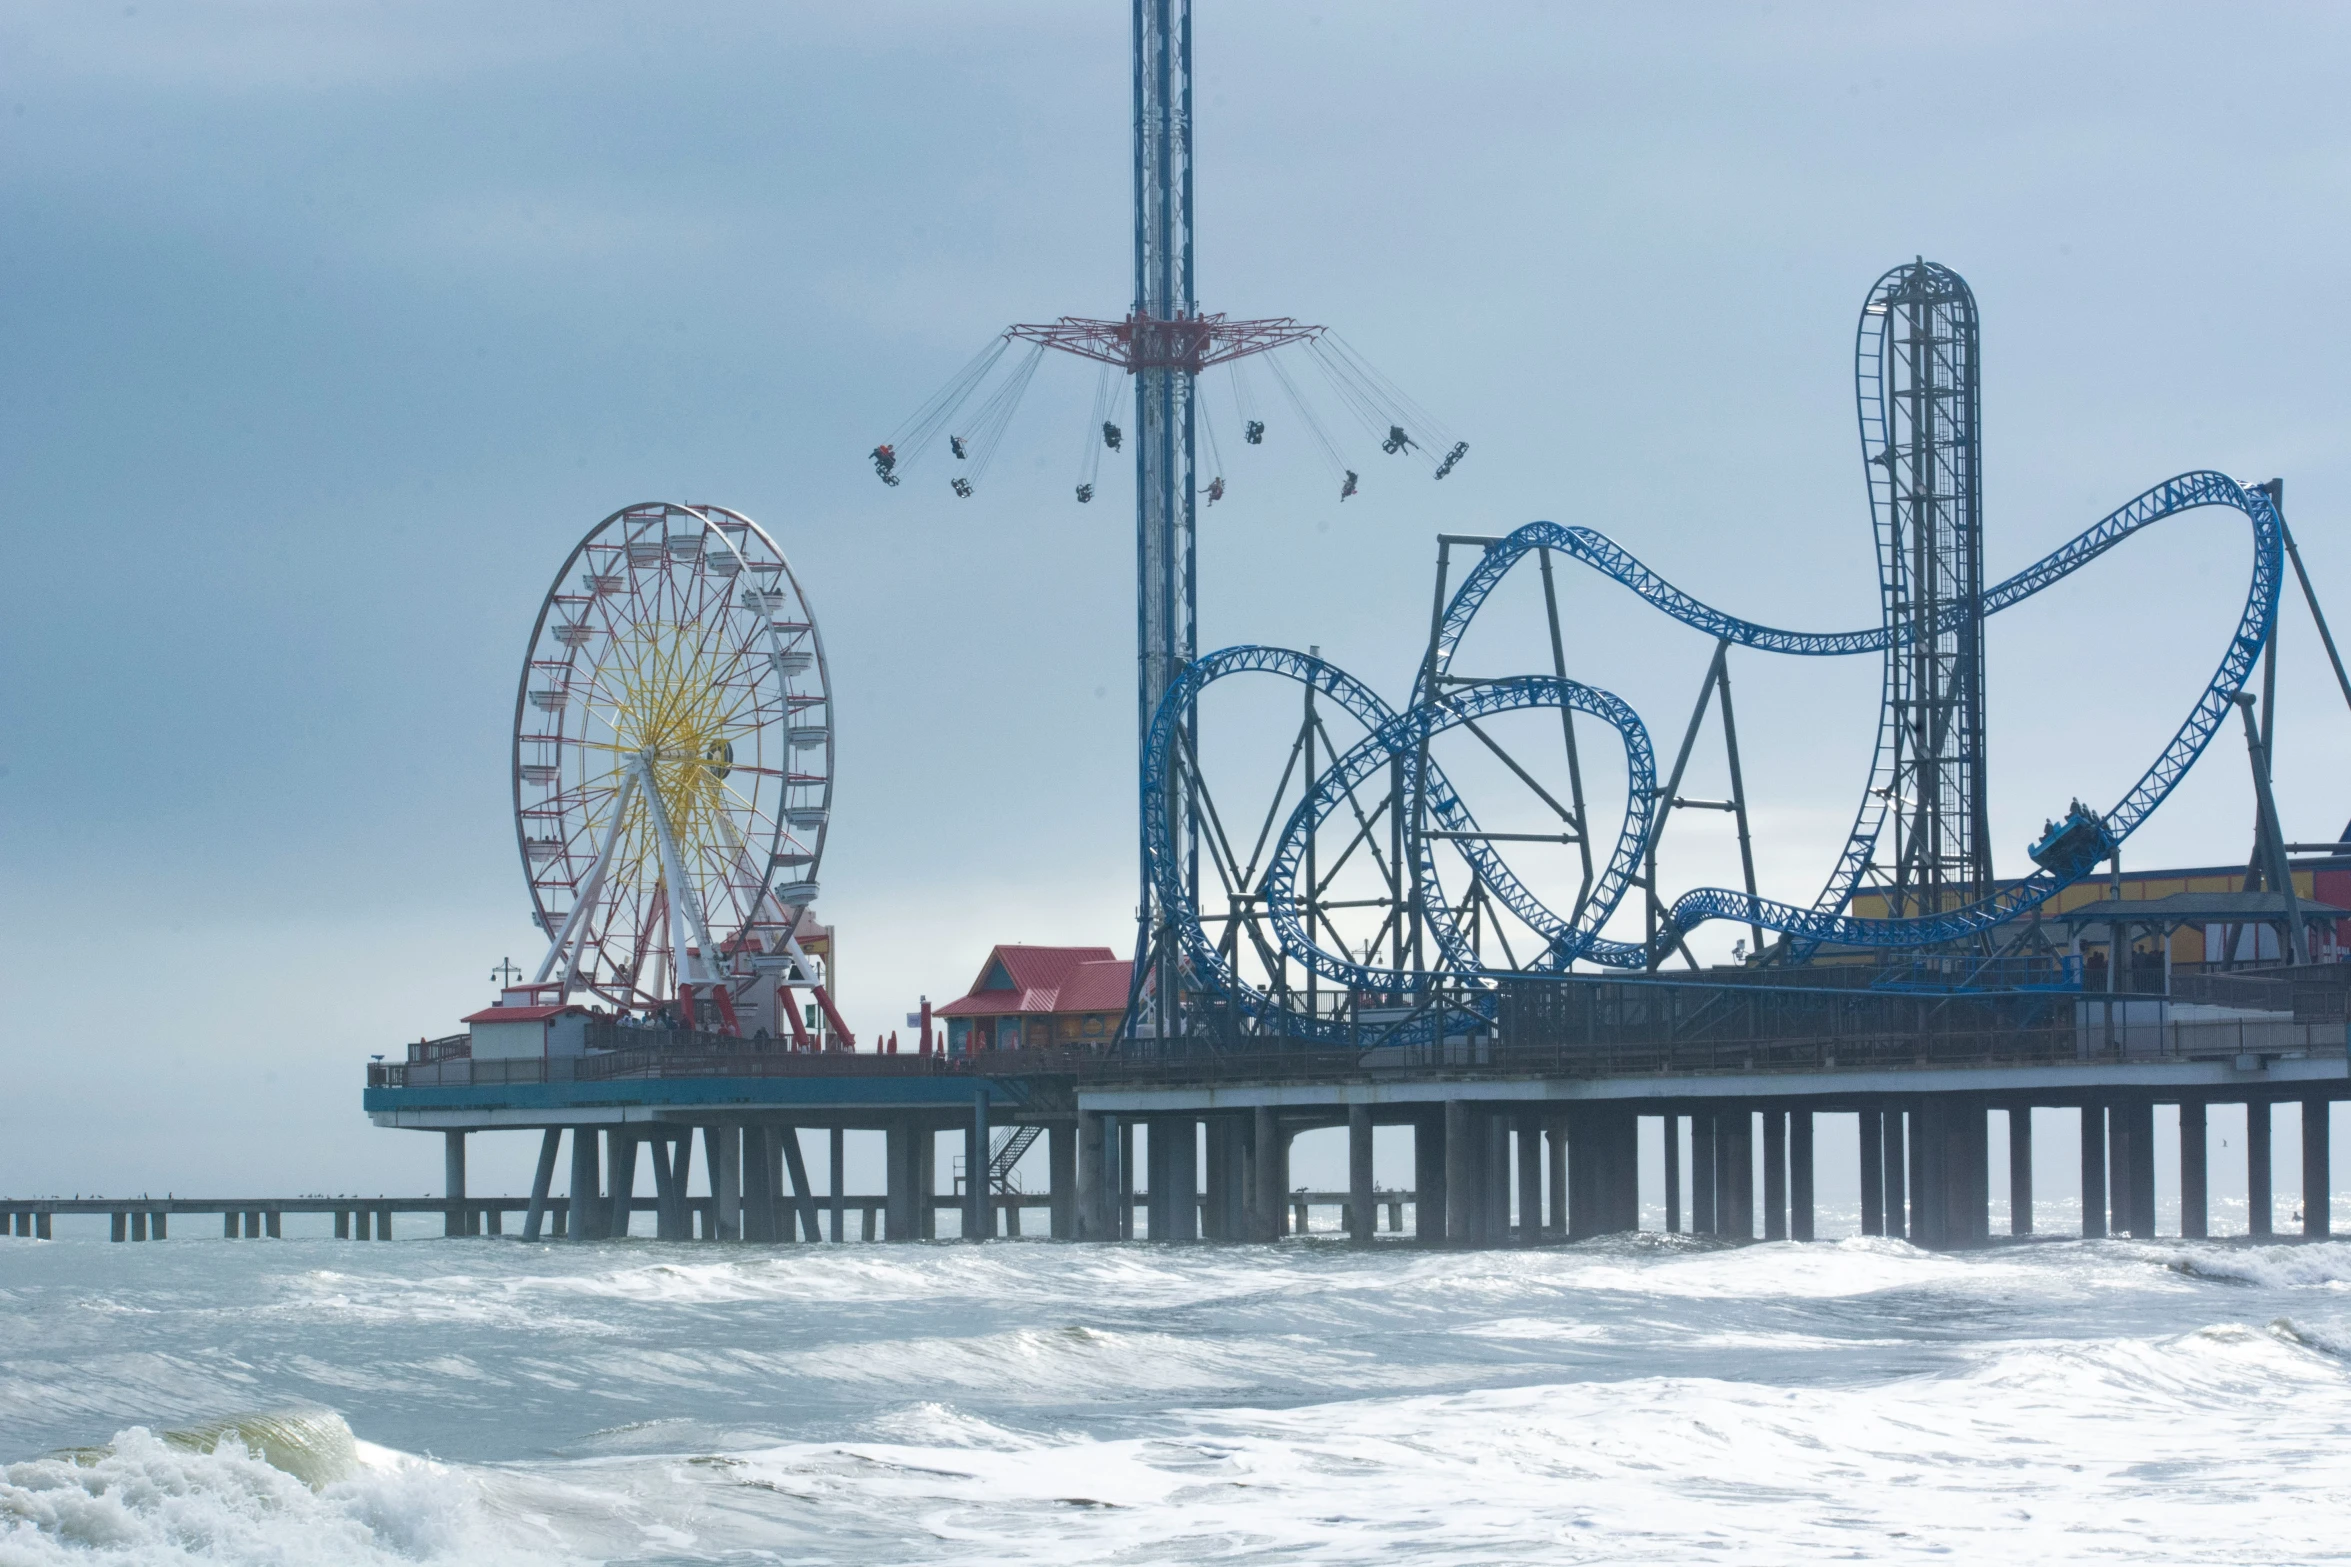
pixel 974 424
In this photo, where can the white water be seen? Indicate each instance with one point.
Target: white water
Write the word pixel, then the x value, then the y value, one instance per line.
pixel 1630 1400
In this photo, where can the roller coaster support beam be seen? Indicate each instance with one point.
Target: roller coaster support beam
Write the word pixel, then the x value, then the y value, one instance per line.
pixel 2275 489
pixel 1718 679
pixel 1730 741
pixel 1417 906
pixel 2273 843
pixel 1575 770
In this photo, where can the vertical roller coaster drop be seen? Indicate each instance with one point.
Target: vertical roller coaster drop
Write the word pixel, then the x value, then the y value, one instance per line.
pixel 1268 958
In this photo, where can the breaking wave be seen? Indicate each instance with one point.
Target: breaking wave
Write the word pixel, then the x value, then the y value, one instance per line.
pixel 273 1487
pixel 1636 1399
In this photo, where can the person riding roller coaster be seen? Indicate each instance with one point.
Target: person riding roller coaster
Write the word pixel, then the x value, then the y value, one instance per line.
pixel 1397 441
pixel 885 459
pixel 1348 488
pixel 955 445
pixel 1110 435
pixel 1216 489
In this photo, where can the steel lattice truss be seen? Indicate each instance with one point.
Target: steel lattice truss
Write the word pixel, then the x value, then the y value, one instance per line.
pixel 1431 938
pixel 1916 385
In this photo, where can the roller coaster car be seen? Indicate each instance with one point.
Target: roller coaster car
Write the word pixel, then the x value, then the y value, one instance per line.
pixel 955 445
pixel 1397 441
pixel 1348 488
pixel 885 459
pixel 2072 846
pixel 961 487
pixel 1254 432
pixel 1460 450
pixel 1085 493
pixel 1110 435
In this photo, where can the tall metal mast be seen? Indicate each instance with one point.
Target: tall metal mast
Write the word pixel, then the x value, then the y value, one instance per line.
pixel 1916 380
pixel 1165 365
pixel 1164 342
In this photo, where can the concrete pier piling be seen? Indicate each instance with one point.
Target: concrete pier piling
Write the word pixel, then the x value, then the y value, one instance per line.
pixel 1800 1174
pixel 1494 1186
pixel 1895 1183
pixel 1182 1164
pixel 1775 1174
pixel 979 1219
pixel 1126 1178
pixel 2195 1152
pixel 2134 1165
pixel 1528 1136
pixel 1555 1177
pixel 1462 1174
pixel 453 1181
pixel 1061 1166
pixel 2317 1189
pixel 2260 1199
pixel 803 1200
pixel 2020 1168
pixel 1362 1221
pixel 1093 1195
pixel 1428 1177
pixel 1734 1166
pixel 542 1182
pixel 1673 1174
pixel 621 1158
pixel 722 1156
pixel 1950 1194
pixel 2094 1162
pixel 1603 1174
pixel 1703 1149
pixel 837 1174
pixel 1873 1171
pixel 587 1185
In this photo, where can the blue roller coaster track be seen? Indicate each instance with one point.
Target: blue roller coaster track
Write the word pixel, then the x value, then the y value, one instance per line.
pixel 1396 743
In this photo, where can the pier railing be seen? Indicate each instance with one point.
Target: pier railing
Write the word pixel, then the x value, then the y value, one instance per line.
pixel 2084 1030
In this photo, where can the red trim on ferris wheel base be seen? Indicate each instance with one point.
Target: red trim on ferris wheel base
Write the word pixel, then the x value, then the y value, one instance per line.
pixel 840 1029
pixel 791 1005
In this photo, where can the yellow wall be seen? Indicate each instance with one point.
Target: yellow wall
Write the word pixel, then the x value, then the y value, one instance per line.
pixel 2187 944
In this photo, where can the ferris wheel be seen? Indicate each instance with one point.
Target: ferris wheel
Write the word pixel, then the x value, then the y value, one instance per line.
pixel 673 762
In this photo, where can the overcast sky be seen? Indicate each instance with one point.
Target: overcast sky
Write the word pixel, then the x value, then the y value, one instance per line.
pixel 330 327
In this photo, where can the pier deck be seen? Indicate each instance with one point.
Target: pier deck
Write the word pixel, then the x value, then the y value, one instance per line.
pixel 1525 1133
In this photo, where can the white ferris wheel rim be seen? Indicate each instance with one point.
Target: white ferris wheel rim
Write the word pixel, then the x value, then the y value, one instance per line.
pixel 697 671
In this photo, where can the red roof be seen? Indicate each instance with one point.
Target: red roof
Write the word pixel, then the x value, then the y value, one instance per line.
pixel 517 1014
pixel 1044 980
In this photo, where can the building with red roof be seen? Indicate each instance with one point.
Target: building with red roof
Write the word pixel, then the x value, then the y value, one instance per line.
pixel 522 1025
pixel 1038 996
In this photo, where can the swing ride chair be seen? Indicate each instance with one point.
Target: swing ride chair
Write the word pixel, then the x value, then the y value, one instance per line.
pixel 975 408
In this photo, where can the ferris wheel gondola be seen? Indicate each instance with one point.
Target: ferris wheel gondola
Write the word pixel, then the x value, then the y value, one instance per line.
pixel 673 765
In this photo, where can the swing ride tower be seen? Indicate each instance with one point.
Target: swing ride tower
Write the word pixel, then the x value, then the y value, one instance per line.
pixel 1164 342
pixel 1163 345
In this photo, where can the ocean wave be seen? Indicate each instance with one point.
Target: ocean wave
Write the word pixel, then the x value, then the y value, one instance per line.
pixel 2122 1450
pixel 2326 1264
pixel 259 1488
